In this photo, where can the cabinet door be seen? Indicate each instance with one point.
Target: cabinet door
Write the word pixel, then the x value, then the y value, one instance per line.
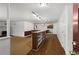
pixel 5 46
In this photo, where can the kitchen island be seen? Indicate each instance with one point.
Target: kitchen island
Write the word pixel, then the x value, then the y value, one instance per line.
pixel 38 39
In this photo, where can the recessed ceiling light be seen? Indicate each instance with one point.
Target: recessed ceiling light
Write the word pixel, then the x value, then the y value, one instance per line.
pixel 43 4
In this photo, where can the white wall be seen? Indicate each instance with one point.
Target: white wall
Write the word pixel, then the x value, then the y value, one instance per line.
pixel 65 28
pixel 44 27
pixel 3 11
pixel 28 26
pixel 18 27
pixel 70 28
pixel 62 28
pixel 41 26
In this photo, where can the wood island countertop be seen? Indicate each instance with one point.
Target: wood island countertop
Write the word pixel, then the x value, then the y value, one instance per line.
pixel 39 31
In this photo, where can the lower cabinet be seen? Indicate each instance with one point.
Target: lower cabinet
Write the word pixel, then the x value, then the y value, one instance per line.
pixel 38 40
pixel 5 46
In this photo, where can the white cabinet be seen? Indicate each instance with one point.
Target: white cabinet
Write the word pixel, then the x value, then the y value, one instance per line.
pixel 5 46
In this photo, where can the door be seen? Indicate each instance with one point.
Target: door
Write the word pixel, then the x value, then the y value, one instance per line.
pixel 75 28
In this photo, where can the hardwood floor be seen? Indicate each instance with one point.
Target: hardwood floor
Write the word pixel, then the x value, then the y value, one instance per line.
pixel 51 47
pixel 23 46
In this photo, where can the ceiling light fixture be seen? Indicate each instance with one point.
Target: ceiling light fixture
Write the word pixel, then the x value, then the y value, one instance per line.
pixel 43 4
pixel 36 15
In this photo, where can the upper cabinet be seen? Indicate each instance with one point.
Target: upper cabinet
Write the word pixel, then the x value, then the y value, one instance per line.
pixel 3 11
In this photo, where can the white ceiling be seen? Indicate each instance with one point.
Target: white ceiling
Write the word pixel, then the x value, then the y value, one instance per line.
pixel 23 11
